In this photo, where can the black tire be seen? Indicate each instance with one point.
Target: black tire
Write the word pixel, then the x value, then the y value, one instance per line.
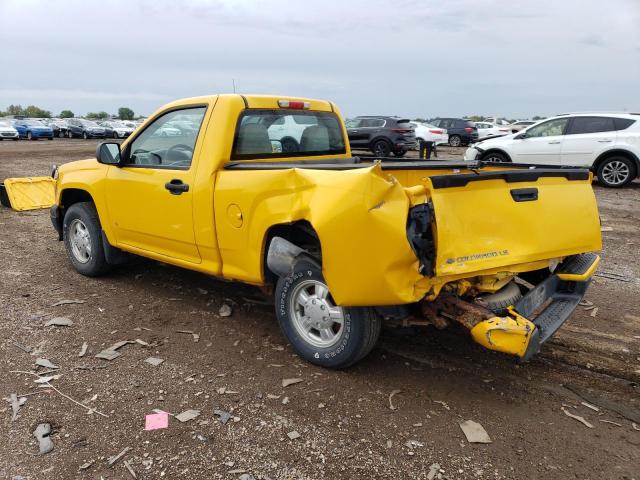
pixel 455 141
pixel 115 135
pixel 70 134
pixel 86 214
pixel 49 138
pixel 85 136
pixel 60 134
pixel 399 153
pixel 381 148
pixel 495 157
pixel 30 136
pixel 616 172
pixel 499 301
pixel 359 333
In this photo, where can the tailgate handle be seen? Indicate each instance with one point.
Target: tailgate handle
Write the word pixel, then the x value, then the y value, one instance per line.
pixel 524 194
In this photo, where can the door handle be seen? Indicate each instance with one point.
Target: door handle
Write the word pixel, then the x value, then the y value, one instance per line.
pixel 605 141
pixel 176 187
pixel 524 194
pixel 555 142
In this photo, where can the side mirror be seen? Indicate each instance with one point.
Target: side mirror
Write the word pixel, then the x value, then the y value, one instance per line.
pixel 521 136
pixel 108 153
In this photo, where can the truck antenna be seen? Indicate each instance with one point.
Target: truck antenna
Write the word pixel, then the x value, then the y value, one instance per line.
pixel 233 80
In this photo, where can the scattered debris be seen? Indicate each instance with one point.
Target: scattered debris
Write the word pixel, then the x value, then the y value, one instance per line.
pixel 635 427
pixel 475 432
pixel 444 404
pixel 111 353
pixel 155 361
pixel 59 322
pixel 16 403
pixel 83 349
pixel 223 416
pixel 391 395
pixel 613 276
pixel 42 434
pixel 156 421
pixel 44 363
pixel 413 444
pixel 129 469
pixel 202 291
pixel 141 342
pixel 612 423
pixel 592 407
pixel 246 476
pixel 112 460
pixel 594 312
pixel 293 435
pixel 585 303
pixel 626 412
pixel 225 310
pixel 47 379
pixel 67 302
pixel 285 400
pixel 434 471
pixel 22 347
pixel 576 417
pixel 86 465
pixel 188 415
pixel 606 229
pixel 291 381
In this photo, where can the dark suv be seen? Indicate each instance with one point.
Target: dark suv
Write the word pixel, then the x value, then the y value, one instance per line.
pixel 461 132
pixel 78 127
pixel 382 135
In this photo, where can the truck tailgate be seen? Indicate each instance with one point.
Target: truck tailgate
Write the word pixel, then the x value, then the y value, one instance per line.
pixel 495 219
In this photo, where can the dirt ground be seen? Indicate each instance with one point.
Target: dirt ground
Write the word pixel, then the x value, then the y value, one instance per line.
pixel 345 424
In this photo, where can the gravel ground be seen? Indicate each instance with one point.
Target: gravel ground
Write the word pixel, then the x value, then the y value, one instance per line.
pixel 344 421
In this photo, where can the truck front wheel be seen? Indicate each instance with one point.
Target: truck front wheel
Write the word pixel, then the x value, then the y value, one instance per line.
pixel 82 237
pixel 320 331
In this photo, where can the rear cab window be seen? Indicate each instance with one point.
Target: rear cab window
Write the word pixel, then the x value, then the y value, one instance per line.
pixel 281 133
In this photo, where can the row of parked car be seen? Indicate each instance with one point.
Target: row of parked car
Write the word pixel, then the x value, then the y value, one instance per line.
pixel 34 129
pixel 386 135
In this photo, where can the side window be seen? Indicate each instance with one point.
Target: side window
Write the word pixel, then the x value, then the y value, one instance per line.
pixel 590 125
pixel 548 129
pixel 623 123
pixel 372 122
pixel 168 142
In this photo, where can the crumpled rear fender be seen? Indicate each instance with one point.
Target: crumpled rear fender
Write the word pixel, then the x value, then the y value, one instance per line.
pixel 360 217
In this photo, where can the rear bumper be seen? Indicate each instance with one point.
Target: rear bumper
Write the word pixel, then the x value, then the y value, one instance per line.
pixel 541 312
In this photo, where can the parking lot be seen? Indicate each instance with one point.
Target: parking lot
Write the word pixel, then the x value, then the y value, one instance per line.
pixel 396 414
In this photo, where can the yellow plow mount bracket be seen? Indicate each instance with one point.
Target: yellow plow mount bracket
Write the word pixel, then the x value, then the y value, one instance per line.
pixel 509 334
pixel 30 193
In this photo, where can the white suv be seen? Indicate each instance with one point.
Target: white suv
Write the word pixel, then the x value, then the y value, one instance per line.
pixel 609 144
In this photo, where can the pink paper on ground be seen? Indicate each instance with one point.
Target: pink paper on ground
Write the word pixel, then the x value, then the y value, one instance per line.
pixel 156 421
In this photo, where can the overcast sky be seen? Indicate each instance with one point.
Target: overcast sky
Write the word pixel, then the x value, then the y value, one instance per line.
pixel 419 58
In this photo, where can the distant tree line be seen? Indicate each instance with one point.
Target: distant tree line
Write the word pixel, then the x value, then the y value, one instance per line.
pixel 124 113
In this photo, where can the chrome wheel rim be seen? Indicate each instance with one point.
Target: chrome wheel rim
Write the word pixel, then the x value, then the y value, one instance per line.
pixel 492 159
pixel 615 172
pixel 80 241
pixel 455 142
pixel 315 317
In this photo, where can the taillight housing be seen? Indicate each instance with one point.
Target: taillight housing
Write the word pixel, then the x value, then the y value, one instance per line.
pixel 468 129
pixel 402 130
pixel 294 105
pixel 436 132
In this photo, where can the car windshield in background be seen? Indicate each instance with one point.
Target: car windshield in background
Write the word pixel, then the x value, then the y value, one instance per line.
pixel 88 123
pixel 287 133
pixel 32 123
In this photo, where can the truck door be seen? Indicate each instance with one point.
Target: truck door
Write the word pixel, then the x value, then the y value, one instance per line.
pixel 150 198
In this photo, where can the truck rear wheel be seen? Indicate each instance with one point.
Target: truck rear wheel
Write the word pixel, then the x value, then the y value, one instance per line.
pixel 499 301
pixel 320 331
pixel 82 237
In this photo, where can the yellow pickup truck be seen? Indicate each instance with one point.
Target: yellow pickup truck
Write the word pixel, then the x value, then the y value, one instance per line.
pixel 264 190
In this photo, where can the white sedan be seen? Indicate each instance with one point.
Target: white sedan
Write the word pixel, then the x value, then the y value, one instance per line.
pixel 7 131
pixel 486 129
pixel 430 133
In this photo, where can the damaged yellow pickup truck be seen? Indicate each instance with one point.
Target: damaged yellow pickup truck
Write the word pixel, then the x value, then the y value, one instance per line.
pixel 264 190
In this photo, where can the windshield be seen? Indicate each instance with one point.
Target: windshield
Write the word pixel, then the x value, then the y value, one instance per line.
pixel 287 133
pixel 33 123
pixel 4 123
pixel 89 123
